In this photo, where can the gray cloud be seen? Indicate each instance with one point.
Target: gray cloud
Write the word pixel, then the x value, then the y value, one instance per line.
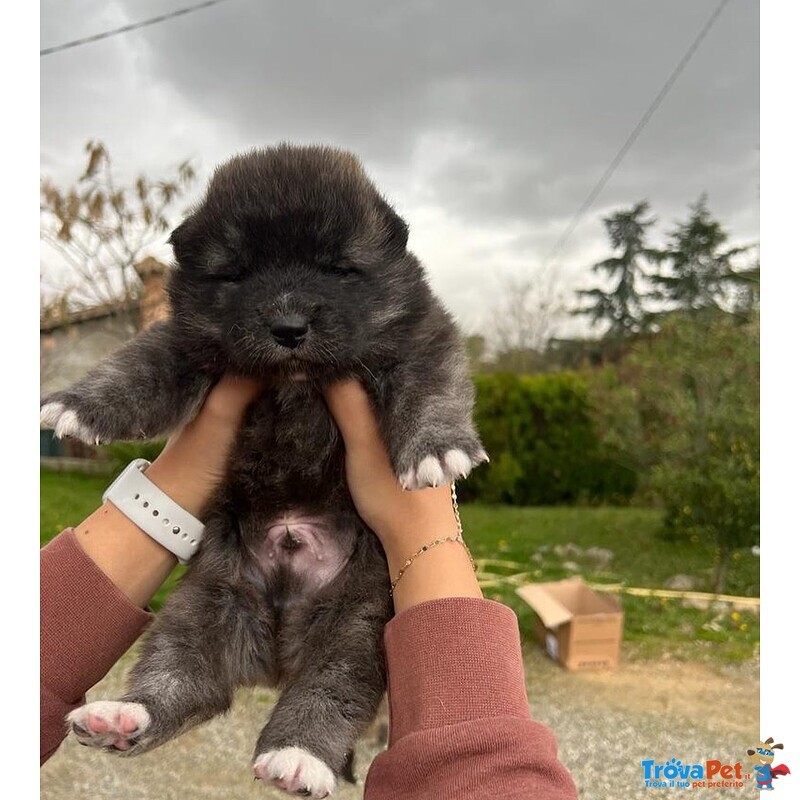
pixel 490 121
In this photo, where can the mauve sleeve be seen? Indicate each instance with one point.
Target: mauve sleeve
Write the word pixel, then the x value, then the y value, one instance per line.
pixel 86 624
pixel 460 725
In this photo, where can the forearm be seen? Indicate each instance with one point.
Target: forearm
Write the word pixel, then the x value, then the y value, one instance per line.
pixel 86 624
pixel 459 713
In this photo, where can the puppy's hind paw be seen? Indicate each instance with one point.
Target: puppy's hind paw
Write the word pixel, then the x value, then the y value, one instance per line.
pixel 295 771
pixel 109 725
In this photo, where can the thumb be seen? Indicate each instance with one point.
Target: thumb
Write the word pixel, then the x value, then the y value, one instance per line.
pixel 231 395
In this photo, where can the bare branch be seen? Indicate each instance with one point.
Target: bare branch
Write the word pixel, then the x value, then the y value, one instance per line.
pixel 101 231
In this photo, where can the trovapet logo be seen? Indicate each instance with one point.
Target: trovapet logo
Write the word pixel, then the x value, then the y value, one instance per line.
pixel 713 773
pixel 710 774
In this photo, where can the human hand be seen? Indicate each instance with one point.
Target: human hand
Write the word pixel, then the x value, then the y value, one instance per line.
pixel 193 462
pixel 381 502
pixel 403 520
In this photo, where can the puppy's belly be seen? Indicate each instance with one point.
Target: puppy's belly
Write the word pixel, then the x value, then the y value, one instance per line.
pixel 306 546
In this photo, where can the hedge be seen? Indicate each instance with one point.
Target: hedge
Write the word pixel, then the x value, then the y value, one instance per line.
pixel 542 443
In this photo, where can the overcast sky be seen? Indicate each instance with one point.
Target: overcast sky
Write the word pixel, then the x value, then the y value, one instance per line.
pixel 486 124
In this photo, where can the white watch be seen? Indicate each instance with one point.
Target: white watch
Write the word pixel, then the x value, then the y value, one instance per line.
pixel 160 517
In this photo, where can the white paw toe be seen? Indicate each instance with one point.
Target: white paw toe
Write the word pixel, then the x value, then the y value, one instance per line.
pixel 67 424
pixel 295 770
pixel 430 472
pixel 50 414
pixel 408 479
pixel 458 464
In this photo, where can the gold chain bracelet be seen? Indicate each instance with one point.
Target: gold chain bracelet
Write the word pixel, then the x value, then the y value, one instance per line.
pixel 457 538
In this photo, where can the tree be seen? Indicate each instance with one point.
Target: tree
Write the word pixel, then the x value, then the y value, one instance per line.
pixel 698 403
pixel 621 307
pixel 701 273
pixel 101 230
pixel 523 322
pixel 746 286
pixel 475 345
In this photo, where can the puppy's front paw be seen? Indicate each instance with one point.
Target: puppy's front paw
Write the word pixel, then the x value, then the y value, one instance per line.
pixel 68 420
pixel 65 422
pixel 295 771
pixel 443 465
pixel 109 725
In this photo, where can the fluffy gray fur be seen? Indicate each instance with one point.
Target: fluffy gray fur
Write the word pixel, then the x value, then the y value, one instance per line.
pixel 298 234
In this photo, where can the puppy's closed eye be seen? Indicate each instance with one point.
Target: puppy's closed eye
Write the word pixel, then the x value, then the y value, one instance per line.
pixel 231 275
pixel 344 270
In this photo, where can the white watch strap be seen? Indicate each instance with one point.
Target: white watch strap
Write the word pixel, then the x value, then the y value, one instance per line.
pixel 160 517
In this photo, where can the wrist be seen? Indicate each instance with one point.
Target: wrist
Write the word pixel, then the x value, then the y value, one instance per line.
pixel 400 541
pixel 185 484
pixel 446 570
pixel 191 466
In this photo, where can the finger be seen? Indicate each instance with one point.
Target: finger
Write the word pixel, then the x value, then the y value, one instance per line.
pixel 241 386
pixel 352 411
pixel 231 395
pixel 238 390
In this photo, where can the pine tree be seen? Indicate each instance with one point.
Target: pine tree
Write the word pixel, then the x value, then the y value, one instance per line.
pixel 620 307
pixel 701 276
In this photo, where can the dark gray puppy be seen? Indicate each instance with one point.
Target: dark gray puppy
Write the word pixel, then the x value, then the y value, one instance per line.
pixel 292 264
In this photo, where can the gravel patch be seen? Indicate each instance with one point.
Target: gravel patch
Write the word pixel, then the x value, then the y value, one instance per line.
pixel 605 723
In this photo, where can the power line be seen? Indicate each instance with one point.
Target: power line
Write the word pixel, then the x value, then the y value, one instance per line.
pixel 132 27
pixel 634 135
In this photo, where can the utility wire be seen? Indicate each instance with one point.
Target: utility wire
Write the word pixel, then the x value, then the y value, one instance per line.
pixel 634 135
pixel 126 28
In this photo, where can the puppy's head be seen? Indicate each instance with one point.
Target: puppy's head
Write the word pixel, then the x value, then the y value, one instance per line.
pixel 293 262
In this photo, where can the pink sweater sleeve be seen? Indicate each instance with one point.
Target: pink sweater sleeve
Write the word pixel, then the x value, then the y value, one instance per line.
pixel 460 725
pixel 86 624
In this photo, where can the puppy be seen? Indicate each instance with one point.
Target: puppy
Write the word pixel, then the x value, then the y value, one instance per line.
pixel 292 266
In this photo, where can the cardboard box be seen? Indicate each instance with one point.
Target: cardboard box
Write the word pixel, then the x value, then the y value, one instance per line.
pixel 578 627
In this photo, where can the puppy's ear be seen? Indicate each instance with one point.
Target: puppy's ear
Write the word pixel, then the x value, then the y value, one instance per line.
pixel 186 242
pixel 177 237
pixel 396 228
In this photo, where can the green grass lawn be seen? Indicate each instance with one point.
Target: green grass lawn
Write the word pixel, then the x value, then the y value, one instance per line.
pixel 67 498
pixel 528 536
pixel 653 626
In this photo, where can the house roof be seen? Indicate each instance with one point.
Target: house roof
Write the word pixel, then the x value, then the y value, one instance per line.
pixel 146 268
pixel 87 314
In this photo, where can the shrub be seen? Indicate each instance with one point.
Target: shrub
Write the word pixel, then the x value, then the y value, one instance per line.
pixel 699 379
pixel 542 443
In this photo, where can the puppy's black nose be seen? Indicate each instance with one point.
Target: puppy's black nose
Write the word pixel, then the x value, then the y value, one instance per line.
pixel 289 330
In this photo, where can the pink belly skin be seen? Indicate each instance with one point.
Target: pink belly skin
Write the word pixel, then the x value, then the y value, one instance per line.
pixel 307 546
